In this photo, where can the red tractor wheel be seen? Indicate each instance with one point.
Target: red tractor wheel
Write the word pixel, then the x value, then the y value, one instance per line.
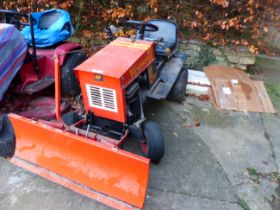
pixel 153 144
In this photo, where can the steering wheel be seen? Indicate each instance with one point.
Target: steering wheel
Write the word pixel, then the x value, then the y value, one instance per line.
pixel 141 26
pixel 12 17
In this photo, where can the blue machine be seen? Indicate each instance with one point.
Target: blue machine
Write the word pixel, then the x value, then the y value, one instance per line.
pixel 50 27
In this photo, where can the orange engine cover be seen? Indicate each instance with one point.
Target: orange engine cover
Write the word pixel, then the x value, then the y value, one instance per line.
pixel 105 75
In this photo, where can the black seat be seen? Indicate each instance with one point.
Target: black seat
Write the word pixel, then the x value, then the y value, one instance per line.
pixel 167 31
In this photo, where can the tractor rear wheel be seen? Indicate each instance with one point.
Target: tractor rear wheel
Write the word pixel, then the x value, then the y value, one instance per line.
pixel 153 144
pixel 178 91
pixel 7 137
pixel 69 84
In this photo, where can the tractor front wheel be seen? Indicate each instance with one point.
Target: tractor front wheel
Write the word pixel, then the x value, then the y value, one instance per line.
pixel 178 91
pixel 69 83
pixel 153 144
pixel 7 137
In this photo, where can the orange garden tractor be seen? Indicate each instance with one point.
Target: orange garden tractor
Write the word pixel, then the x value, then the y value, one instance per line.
pixel 82 150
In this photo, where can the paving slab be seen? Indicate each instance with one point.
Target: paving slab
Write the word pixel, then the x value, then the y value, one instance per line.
pixel 158 200
pixel 238 141
pixel 188 167
pixel 25 191
pixel 271 124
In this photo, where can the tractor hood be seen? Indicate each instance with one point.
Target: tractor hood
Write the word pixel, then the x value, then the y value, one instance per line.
pixel 123 59
pixel 106 74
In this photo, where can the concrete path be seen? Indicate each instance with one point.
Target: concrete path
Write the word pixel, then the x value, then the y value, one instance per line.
pixel 213 160
pixel 189 176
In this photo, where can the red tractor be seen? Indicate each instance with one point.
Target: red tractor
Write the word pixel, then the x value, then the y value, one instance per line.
pixel 37 72
pixel 116 81
pixel 82 150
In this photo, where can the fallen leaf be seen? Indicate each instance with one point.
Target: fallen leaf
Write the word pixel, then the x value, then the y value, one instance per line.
pixel 175 134
pixel 186 125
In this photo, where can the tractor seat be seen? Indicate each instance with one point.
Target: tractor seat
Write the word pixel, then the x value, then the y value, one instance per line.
pixel 167 31
pixel 47 19
pixel 50 28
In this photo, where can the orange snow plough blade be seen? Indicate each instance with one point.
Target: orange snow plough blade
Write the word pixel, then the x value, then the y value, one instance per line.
pixel 114 177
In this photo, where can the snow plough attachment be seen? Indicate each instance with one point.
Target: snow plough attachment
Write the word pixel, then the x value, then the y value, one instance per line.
pixel 104 173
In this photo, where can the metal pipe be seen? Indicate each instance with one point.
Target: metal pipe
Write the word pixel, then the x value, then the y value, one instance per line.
pixel 57 87
pixel 34 54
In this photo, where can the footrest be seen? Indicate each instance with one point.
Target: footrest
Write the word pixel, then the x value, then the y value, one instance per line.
pixel 167 78
pixel 159 91
pixel 43 108
pixel 37 86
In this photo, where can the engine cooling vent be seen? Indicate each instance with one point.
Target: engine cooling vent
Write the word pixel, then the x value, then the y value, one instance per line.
pixel 102 98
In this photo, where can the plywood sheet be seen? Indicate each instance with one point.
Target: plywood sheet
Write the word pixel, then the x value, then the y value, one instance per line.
pixel 265 100
pixel 233 89
pixel 222 72
pixel 241 96
pixel 212 99
pixel 223 93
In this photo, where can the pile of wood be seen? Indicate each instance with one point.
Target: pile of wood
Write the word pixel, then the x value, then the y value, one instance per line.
pixel 230 89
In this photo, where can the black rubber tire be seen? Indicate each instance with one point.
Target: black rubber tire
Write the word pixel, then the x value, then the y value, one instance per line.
pixel 70 118
pixel 69 84
pixel 7 138
pixel 177 93
pixel 135 132
pixel 153 139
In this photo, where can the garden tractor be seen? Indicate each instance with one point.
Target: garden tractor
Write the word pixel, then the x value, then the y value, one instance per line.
pixel 45 35
pixel 81 148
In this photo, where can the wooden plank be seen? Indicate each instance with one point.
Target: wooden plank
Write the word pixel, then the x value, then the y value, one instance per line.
pixel 215 94
pixel 240 98
pixel 212 99
pixel 224 94
pixel 222 72
pixel 243 97
pixel 242 75
pixel 246 94
pixel 250 93
pixel 265 100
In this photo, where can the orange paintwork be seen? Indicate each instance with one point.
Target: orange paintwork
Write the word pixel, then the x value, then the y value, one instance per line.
pixel 119 63
pixel 57 88
pixel 53 153
pixel 109 201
